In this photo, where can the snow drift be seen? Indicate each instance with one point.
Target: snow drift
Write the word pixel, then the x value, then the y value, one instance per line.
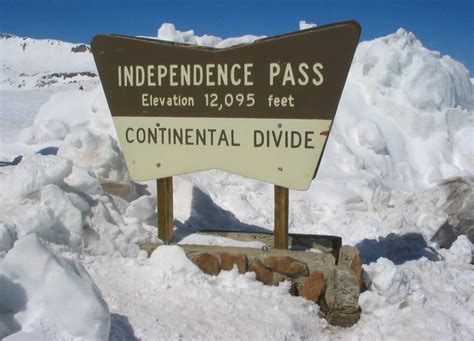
pixel 48 297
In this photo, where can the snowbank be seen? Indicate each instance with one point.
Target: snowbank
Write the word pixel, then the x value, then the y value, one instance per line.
pixel 419 299
pixel 66 205
pixel 46 297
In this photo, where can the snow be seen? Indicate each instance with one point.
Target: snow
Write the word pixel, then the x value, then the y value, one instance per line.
pixel 65 205
pixel 398 165
pixel 168 32
pixel 33 173
pixel 26 63
pixel 179 302
pixel 97 152
pixel 419 299
pixel 45 296
pixel 196 239
pixel 20 107
pixel 305 25
pixel 141 209
pixel 34 55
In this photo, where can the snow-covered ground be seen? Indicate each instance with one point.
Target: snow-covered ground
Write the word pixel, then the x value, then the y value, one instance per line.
pixel 399 165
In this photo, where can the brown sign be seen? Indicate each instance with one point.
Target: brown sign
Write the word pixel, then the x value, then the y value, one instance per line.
pixel 262 110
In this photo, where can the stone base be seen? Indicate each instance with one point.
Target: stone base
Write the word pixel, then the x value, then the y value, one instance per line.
pixel 329 275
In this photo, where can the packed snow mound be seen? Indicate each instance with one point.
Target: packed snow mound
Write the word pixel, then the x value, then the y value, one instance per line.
pixel 66 205
pixel 74 107
pixel 47 297
pixel 404 118
pixel 170 260
pixel 168 32
pixel 399 66
pixel 410 301
pixel 67 111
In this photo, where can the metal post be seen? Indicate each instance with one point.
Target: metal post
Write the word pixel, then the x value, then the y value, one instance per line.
pixel 281 218
pixel 165 208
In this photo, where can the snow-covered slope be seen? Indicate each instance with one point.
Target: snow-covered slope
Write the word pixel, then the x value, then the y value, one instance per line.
pixel 26 63
pixel 398 167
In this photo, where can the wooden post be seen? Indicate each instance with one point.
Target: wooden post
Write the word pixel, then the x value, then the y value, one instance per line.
pixel 165 208
pixel 280 232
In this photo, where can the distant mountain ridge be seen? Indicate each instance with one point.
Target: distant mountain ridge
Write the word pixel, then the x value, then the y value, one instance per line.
pixel 27 63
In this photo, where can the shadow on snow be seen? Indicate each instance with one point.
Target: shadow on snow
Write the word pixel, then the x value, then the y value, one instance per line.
pixel 121 329
pixel 398 248
pixel 207 215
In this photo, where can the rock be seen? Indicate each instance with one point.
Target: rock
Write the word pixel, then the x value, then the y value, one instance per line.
pixel 314 286
pixel 294 289
pixel 458 193
pixel 445 236
pixel 228 261
pixel 349 259
pixel 208 263
pixel 343 319
pixel 342 297
pixel 287 266
pixel 278 278
pixel 263 274
pixel 340 303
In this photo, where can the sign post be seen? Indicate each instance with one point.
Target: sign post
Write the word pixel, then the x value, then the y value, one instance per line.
pixel 280 230
pixel 164 192
pixel 261 110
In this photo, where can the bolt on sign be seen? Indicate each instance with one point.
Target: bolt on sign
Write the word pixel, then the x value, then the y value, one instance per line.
pixel 261 110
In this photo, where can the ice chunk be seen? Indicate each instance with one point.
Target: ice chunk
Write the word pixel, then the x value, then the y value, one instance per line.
pixel 34 172
pixel 65 211
pixel 84 181
pixel 6 239
pixel 97 152
pixel 387 280
pixel 460 252
pixel 142 208
pixel 33 218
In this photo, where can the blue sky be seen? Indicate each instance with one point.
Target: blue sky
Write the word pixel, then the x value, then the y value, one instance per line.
pixel 441 25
